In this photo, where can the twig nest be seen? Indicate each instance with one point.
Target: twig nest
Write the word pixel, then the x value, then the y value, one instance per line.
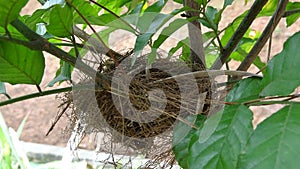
pixel 144 101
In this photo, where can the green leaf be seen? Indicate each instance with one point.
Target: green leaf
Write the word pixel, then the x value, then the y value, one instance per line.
pixel 292 18
pixel 39 16
pixel 19 64
pixel 13 32
pixel 182 135
pixel 21 126
pixel 157 6
pixel 178 1
pixel 114 6
pixel 245 90
pixel 269 8
pixel 62 74
pixel 226 3
pixel 179 45
pixel 169 30
pixel 104 34
pixel 229 30
pixel 150 15
pixel 281 77
pixel 158 21
pixel 275 142
pixel 140 43
pixel 10 10
pixel 108 20
pixel 185 56
pixel 166 33
pixel 5 141
pixel 242 50
pixel 138 9
pixel 208 35
pixel 210 57
pixel 211 20
pixel 135 4
pixel 85 8
pixel 3 90
pixel 219 144
pixel 61 21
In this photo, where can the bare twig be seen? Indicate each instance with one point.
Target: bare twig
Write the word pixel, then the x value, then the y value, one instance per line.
pixel 239 33
pixel 58 116
pixel 264 36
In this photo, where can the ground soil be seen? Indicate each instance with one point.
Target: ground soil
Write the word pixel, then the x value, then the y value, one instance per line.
pixel 41 111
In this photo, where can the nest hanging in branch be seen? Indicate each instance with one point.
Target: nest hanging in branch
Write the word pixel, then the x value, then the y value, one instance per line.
pixel 151 100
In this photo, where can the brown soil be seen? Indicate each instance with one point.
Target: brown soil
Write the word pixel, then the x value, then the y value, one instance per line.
pixel 41 111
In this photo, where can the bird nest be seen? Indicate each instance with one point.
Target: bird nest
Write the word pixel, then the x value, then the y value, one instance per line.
pixel 143 102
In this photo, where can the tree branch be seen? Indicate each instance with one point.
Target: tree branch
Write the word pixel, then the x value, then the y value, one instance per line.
pixel 36 42
pixel 264 36
pixel 239 33
pixel 96 45
pixel 41 43
pixel 196 44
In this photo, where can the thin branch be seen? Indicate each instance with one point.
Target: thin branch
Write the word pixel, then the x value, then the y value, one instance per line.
pixel 89 25
pixel 111 12
pixel 107 50
pixel 269 48
pixel 291 12
pixel 75 45
pixel 215 30
pixel 96 45
pixel 264 103
pixel 57 118
pixel 34 95
pixel 264 36
pixel 239 33
pixel 39 43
